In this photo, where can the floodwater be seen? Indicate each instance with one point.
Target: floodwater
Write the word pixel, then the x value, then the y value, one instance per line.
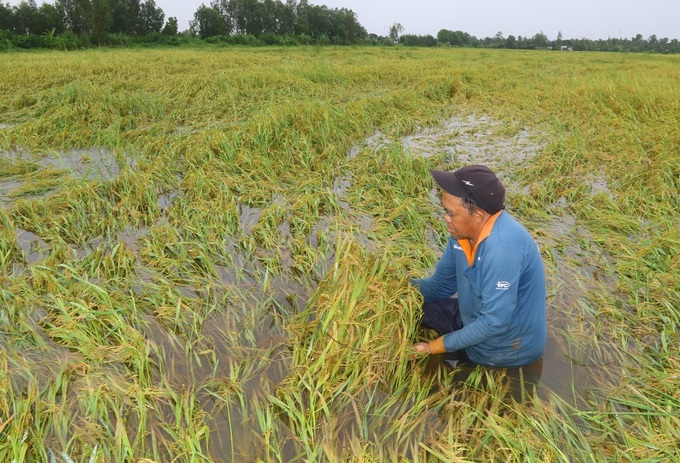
pixel 85 165
pixel 566 370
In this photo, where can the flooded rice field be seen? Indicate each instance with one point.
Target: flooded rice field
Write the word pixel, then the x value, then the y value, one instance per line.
pixel 220 329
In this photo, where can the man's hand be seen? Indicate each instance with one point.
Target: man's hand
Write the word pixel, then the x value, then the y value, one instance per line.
pixel 422 347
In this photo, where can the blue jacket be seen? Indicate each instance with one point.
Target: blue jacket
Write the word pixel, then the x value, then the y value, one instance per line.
pixel 501 296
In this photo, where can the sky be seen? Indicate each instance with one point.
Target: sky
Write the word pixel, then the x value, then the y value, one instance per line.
pixel 592 19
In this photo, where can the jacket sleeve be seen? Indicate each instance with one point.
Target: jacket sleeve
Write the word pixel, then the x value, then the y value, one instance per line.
pixel 498 282
pixel 442 284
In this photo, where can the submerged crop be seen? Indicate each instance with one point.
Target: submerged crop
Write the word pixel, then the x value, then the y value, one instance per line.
pixel 205 254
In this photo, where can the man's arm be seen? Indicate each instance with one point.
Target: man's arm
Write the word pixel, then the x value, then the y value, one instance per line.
pixel 498 282
pixel 442 284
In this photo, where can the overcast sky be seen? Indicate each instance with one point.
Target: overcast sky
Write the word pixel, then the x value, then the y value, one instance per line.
pixel 593 19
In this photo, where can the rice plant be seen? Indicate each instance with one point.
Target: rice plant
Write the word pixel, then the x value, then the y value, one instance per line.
pixel 205 254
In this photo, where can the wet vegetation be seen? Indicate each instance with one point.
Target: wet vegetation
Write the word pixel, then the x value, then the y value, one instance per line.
pixel 204 255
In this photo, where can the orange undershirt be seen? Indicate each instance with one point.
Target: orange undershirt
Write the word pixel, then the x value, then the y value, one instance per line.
pixel 484 234
pixel 437 346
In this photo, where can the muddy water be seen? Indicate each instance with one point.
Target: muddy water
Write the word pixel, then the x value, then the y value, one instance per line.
pixel 567 370
pixel 91 164
pixel 223 346
pixel 571 365
pixel 474 139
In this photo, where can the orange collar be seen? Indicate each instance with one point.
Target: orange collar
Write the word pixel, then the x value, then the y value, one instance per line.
pixel 484 234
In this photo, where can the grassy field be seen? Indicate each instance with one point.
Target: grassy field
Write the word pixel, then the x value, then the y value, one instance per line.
pixel 205 254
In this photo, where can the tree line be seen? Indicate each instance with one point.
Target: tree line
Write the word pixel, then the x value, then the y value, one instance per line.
pixel 540 41
pixel 81 23
pixel 274 18
pixel 69 24
pixel 94 19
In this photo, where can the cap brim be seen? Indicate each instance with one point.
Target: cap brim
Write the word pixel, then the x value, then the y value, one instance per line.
pixel 450 183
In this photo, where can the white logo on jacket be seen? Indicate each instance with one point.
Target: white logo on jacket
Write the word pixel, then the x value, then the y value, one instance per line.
pixel 502 285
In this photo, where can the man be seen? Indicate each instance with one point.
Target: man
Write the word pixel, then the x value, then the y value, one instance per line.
pixel 494 266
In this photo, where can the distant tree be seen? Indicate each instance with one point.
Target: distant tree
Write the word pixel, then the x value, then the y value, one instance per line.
pixel 286 15
pixel 456 38
pixel 208 22
pixel 301 10
pixel 77 14
pixel 254 17
pixel 242 16
pixel 395 31
pixel 410 40
pixel 26 19
pixel 319 22
pixel 652 43
pixel 171 28
pixel 511 42
pixel 540 40
pixel 498 40
pixel 559 41
pixel 462 39
pixel 444 36
pixel 119 17
pixel 346 27
pixel 151 18
pixel 100 19
pixel 6 17
pixel 51 18
pixel 133 10
pixel 269 10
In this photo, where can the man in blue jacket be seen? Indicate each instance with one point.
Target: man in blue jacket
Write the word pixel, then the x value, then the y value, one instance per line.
pixel 494 266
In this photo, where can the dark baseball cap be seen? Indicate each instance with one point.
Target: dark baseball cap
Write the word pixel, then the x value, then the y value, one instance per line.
pixel 477 183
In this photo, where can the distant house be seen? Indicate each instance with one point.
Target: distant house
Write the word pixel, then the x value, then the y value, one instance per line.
pixel 566 48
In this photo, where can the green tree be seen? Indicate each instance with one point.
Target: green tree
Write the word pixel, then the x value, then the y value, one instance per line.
pixel 6 17
pixel 100 19
pixel 26 19
pixel 208 22
pixel 559 41
pixel 270 24
pixel 540 41
pixel 511 42
pixel 243 16
pixel 395 31
pixel 171 28
pixel 120 20
pixel 318 22
pixel 455 38
pixel 133 10
pixel 254 17
pixel 151 18
pixel 346 26
pixel 444 36
pixel 51 18
pixel 77 14
pixel 301 10
pixel 286 15
pixel 498 40
pixel 411 40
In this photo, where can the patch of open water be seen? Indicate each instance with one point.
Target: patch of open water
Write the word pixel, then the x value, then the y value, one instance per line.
pixel 463 141
pixel 569 367
pixel 86 165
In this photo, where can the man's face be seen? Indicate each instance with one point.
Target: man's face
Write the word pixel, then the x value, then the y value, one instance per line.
pixel 459 222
